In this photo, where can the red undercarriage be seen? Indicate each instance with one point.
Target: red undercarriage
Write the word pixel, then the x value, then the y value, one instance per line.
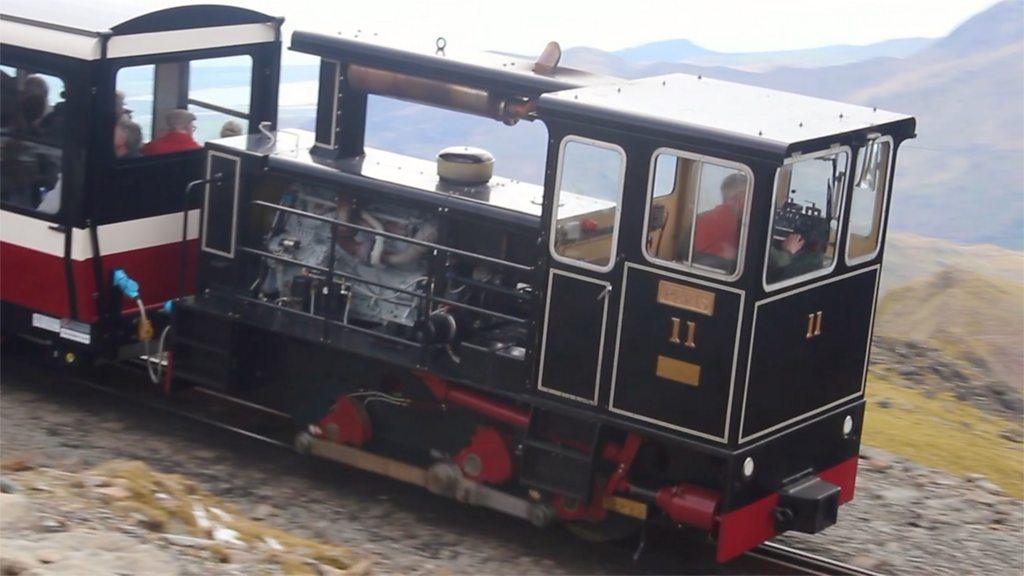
pixel 488 458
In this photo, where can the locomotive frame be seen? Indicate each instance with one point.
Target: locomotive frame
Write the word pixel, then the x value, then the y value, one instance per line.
pixel 588 379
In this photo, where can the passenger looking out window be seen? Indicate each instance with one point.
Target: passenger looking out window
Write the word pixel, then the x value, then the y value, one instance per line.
pixel 180 126
pixel 127 138
pixel 178 105
pixel 32 135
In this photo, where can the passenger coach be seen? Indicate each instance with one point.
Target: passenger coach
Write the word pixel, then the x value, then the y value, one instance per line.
pixel 76 204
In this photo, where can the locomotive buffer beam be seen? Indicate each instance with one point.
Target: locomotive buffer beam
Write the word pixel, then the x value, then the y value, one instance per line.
pixel 442 478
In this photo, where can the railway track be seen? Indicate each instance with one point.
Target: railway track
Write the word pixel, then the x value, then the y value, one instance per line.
pixel 275 428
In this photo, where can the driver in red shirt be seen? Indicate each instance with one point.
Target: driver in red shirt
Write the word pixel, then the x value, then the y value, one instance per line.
pixel 178 138
pixel 718 230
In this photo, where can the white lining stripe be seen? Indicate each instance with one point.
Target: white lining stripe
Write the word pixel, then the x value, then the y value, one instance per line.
pixel 35 234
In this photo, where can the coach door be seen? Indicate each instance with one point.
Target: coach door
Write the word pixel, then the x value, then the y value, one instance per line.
pixel 41 171
pixel 583 278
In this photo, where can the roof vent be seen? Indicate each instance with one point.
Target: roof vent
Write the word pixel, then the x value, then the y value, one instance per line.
pixel 465 165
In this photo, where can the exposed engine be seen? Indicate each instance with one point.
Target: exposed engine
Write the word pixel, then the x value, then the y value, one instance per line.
pixel 376 278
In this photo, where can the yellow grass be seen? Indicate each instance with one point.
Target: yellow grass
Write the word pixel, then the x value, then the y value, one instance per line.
pixel 943 432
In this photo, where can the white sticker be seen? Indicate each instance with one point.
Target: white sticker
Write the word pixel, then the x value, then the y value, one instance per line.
pixel 45 322
pixel 80 337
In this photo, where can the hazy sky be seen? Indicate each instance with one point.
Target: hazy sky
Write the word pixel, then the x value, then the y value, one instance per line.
pixel 524 26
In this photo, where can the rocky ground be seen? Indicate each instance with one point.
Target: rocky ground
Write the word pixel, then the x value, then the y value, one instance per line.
pixel 64 517
pixel 926 368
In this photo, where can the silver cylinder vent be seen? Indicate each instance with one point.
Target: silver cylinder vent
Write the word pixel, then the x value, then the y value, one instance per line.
pixel 465 165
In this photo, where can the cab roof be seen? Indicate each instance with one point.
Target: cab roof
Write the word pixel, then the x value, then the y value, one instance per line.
pixel 87 30
pixel 761 120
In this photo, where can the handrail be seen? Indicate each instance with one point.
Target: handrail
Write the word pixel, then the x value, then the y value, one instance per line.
pixel 361 280
pixel 399 237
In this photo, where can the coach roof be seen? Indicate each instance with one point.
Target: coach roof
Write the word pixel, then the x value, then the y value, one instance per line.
pixel 104 28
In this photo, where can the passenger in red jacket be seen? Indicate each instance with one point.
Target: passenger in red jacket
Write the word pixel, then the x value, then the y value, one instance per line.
pixel 178 138
pixel 718 229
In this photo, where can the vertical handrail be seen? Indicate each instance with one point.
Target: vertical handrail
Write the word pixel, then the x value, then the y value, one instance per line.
pixel 184 226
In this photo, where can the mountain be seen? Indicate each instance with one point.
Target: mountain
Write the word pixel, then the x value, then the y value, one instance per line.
pixel 910 257
pixel 962 179
pixel 970 317
pixel 686 51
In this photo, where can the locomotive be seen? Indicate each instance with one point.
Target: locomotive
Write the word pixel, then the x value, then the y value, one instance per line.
pixel 673 328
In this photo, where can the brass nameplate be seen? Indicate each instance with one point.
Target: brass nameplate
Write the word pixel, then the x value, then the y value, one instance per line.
pixel 678 370
pixel 685 297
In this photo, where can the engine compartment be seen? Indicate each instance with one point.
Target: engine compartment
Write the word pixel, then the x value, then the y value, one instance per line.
pixel 394 268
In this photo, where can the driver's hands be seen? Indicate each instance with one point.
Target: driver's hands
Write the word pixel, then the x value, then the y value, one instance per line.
pixel 793 243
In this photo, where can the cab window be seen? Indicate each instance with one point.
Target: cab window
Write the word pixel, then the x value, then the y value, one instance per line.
pixel 805 221
pixel 33 132
pixel 697 213
pixel 587 197
pixel 176 106
pixel 867 203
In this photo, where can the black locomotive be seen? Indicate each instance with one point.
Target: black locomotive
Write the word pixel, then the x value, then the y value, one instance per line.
pixel 674 328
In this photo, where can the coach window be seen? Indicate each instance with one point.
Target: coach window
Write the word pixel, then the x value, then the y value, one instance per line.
pixel 587 197
pixel 867 204
pixel 176 106
pixel 33 131
pixel 806 216
pixel 697 213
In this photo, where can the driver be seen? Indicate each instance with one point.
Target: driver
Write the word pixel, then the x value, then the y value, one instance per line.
pixel 801 252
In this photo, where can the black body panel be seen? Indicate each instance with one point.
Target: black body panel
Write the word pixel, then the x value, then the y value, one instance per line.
pixel 796 369
pixel 574 337
pixel 659 376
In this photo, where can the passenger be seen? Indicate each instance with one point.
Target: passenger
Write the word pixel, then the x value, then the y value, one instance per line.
pixel 717 230
pixel 230 128
pixel 178 138
pixel 34 101
pixel 127 138
pixel 801 252
pixel 119 108
pixel 52 125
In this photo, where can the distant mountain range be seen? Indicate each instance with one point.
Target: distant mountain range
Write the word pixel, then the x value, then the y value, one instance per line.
pixel 962 179
pixel 686 51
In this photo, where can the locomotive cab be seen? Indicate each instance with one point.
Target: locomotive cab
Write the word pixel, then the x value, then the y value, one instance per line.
pixel 90 184
pixel 673 327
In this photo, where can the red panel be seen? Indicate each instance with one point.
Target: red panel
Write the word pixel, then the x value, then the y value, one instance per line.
pixel 157 270
pixel 33 279
pixel 36 280
pixel 744 528
pixel 843 475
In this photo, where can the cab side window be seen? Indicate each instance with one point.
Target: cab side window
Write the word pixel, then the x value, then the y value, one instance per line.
pixel 805 222
pixel 176 106
pixel 33 134
pixel 867 204
pixel 587 198
pixel 697 212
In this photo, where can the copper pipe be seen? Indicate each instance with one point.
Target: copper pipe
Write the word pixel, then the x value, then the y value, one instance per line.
pixel 456 97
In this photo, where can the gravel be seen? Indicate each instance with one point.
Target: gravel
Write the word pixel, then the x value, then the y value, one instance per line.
pixel 906 519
